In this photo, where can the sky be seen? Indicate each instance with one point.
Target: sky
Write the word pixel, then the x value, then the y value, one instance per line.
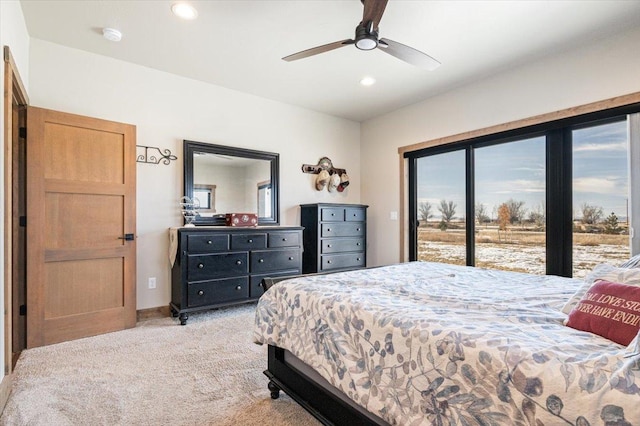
pixel 516 170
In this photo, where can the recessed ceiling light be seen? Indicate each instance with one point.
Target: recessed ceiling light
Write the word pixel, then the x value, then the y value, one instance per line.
pixel 111 34
pixel 367 81
pixel 184 11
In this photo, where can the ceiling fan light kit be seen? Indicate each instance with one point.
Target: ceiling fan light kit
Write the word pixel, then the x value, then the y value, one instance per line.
pixel 366 38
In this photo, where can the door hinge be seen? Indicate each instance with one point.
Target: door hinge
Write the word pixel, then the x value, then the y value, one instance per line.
pixel 23 310
pixel 23 221
pixel 22 132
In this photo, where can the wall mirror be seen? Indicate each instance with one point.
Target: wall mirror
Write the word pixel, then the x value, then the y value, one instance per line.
pixel 226 179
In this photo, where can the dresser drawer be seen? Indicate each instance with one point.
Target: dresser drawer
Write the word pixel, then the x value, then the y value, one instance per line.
pixel 340 261
pixel 274 260
pixel 212 242
pixel 256 289
pixel 332 214
pixel 210 266
pixel 284 239
pixel 355 215
pixel 248 241
pixel 342 245
pixel 344 229
pixel 217 291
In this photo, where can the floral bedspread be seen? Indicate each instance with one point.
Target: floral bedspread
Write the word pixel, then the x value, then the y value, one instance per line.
pixel 427 343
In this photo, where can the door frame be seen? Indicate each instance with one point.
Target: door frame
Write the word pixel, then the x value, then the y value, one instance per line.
pixel 15 95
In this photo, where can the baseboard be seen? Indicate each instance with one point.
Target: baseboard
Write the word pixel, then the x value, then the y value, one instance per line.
pixel 5 390
pixel 157 312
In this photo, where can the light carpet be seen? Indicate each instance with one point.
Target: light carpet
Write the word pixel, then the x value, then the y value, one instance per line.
pixel 208 372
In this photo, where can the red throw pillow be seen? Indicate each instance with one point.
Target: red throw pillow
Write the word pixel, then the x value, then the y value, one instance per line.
pixel 610 310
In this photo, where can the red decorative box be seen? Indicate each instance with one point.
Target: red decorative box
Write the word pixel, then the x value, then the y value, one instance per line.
pixel 241 219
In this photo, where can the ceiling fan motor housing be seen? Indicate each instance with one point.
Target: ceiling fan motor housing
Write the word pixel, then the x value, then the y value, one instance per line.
pixel 366 36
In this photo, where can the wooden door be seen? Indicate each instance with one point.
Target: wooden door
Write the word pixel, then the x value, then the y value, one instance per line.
pixel 80 205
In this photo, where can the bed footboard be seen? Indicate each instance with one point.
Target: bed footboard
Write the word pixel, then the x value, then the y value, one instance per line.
pixel 326 406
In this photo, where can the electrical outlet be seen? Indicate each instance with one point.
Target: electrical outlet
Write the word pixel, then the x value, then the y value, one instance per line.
pixel 152 283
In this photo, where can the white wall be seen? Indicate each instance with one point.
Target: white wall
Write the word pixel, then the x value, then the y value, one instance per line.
pixel 604 70
pixel 167 109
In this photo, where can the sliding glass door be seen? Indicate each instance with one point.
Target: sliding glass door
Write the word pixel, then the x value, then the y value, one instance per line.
pixel 441 208
pixel 510 216
pixel 553 198
pixel 600 195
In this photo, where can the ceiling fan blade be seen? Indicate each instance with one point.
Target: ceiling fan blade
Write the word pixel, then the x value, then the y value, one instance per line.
pixel 373 10
pixel 408 54
pixel 317 50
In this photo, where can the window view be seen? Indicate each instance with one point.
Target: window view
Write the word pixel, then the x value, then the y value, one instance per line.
pixel 441 208
pixel 509 206
pixel 600 196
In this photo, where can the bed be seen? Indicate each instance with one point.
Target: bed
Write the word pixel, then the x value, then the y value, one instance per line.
pixel 428 343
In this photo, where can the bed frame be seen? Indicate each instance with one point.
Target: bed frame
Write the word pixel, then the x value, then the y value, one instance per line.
pixel 305 386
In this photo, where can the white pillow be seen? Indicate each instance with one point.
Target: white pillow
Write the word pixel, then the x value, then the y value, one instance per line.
pixel 629 276
pixel 634 262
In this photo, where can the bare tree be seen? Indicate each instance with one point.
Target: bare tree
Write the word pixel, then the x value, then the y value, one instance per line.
pixel 448 210
pixel 481 213
pixel 424 209
pixel 517 211
pixel 591 214
pixel 537 215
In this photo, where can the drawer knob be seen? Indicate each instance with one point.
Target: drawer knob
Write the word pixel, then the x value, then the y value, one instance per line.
pixel 333 214
pixel 328 261
pixel 201 293
pixel 239 287
pixel 357 244
pixel 284 239
pixel 200 265
pixel 249 240
pixel 290 257
pixel 357 229
pixel 328 245
pixel 261 261
pixel 358 259
pixel 238 262
pixel 328 229
pixel 209 242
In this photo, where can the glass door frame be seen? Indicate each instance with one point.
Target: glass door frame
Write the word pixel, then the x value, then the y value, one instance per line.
pixel 559 182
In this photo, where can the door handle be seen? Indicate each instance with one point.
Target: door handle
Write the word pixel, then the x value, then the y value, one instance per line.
pixel 127 237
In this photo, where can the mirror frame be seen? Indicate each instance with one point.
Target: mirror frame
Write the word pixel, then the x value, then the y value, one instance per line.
pixel 191 147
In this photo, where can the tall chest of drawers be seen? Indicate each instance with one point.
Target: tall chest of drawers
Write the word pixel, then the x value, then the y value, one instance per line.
pixel 220 266
pixel 335 237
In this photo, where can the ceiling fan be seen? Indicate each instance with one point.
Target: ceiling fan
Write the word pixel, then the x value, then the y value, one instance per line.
pixel 367 39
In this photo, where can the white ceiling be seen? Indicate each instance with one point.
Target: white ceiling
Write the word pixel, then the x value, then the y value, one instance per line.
pixel 239 44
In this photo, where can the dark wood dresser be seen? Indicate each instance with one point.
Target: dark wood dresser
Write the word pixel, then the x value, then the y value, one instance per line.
pixel 335 237
pixel 220 266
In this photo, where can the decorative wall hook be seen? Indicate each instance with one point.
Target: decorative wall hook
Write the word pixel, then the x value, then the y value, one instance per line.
pixel 143 155
pixel 324 164
pixel 333 178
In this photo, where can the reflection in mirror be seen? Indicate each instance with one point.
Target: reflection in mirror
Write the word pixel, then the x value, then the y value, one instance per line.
pixel 231 180
pixel 264 198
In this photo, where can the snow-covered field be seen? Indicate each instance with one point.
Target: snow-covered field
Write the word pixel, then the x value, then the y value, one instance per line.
pixel 522 258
